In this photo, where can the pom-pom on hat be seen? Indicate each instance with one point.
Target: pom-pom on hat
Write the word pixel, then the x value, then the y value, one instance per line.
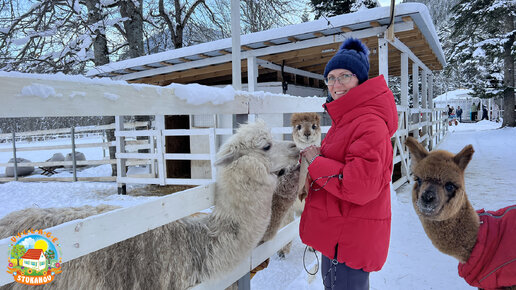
pixel 353 56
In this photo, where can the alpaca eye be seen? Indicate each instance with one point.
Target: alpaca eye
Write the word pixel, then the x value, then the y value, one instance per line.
pixel 298 127
pixel 450 187
pixel 314 127
pixel 267 147
pixel 418 180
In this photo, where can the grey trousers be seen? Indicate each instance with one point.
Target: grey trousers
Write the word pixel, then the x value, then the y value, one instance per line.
pixel 338 276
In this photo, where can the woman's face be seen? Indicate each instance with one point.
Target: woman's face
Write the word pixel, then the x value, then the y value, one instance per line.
pixel 343 80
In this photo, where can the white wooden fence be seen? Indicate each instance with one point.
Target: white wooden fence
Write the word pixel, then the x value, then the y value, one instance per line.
pixel 80 237
pixel 73 134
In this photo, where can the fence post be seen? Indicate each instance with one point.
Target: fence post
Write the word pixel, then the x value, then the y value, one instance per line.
pixel 120 148
pixel 14 154
pixel 74 161
pixel 244 283
pixel 159 121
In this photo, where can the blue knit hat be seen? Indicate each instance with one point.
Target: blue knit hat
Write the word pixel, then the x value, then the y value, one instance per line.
pixel 353 56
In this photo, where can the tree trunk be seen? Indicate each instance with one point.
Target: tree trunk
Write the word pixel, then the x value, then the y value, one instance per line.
pixel 508 77
pixel 101 57
pixel 133 26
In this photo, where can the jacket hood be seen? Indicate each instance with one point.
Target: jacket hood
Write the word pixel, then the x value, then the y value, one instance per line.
pixel 371 97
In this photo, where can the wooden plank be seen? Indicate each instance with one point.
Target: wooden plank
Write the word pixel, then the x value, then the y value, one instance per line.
pixel 346 29
pixel 66 179
pixel 97 98
pixel 319 34
pixel 271 104
pixel 186 156
pixel 400 182
pixel 63 163
pixel 292 39
pixel 83 236
pixel 77 130
pixel 375 24
pixel 258 255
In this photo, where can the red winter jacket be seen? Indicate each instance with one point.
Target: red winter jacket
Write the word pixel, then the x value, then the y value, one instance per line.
pixel 354 211
pixel 492 264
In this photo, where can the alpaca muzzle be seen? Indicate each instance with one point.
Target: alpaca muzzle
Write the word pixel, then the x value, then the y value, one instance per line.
pixel 428 202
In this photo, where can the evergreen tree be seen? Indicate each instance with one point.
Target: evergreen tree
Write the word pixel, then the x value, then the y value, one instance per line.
pixel 338 7
pixel 483 33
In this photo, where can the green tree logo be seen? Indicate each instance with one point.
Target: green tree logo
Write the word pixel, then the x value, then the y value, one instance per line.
pixel 17 252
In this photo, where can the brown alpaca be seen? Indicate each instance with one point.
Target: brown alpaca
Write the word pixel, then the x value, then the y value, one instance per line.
pixel 448 218
pixel 306 131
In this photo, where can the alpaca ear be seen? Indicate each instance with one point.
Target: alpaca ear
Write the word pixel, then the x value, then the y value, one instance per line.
pixel 417 150
pixel 225 156
pixel 464 156
pixel 317 118
pixel 224 160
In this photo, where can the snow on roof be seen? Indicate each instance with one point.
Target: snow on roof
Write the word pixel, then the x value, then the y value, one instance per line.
pixel 283 35
pixel 459 94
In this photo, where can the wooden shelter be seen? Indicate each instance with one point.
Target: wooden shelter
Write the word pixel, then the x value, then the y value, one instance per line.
pixel 401 43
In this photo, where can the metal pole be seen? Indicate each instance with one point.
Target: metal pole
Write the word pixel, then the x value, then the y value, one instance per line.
pixel 74 162
pixel 235 45
pixel 14 154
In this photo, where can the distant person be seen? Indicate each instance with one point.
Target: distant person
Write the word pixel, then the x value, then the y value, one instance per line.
pixel 452 118
pixel 449 111
pixel 459 113
pixel 484 113
pixel 474 112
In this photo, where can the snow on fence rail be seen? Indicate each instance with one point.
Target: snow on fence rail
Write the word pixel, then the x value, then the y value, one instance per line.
pixel 84 236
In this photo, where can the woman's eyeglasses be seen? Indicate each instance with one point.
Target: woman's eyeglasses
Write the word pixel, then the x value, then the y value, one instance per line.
pixel 342 79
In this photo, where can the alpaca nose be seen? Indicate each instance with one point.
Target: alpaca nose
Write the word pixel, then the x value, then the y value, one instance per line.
pixel 307 133
pixel 429 196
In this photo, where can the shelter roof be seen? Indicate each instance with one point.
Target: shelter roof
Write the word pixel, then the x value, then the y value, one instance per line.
pixel 303 47
pixel 459 94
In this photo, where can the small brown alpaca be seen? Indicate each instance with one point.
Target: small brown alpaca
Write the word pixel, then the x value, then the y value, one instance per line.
pixel 483 242
pixel 306 131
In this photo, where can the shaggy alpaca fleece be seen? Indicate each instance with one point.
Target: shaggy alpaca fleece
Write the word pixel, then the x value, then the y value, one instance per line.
pixel 282 200
pixel 186 252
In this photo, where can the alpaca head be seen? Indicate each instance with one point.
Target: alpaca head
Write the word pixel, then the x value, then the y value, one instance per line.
pixel 439 191
pixel 255 140
pixel 306 129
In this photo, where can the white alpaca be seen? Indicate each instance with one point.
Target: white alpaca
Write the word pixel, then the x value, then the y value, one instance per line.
pixel 189 251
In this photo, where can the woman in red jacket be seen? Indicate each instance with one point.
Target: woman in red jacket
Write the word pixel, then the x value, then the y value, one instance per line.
pixel 347 216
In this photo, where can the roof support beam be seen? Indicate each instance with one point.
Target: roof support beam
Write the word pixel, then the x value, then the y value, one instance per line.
pixel 383 58
pixel 235 45
pixel 270 65
pixel 403 48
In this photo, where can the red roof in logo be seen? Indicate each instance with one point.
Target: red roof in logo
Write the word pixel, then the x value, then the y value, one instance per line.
pixel 33 254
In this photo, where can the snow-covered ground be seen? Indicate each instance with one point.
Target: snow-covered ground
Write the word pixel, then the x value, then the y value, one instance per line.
pixel 413 263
